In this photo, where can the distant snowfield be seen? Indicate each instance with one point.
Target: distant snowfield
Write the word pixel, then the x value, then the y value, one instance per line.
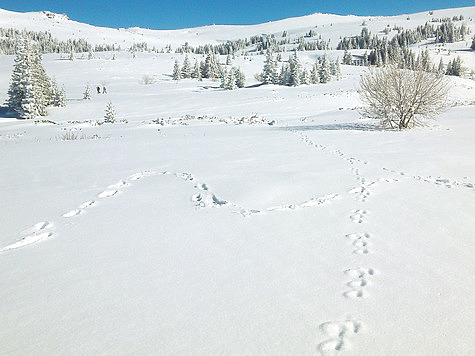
pixel 319 234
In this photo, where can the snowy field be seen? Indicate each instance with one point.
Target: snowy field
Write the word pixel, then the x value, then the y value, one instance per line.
pixel 311 231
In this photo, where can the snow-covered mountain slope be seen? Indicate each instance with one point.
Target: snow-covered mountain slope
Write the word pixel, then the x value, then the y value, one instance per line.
pixel 329 26
pixel 182 229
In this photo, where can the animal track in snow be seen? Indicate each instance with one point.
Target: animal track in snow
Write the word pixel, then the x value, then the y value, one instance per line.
pixel 38 232
pixel 201 186
pixel 360 280
pixel 440 181
pixel 205 200
pixel 358 216
pixel 185 176
pixel 306 204
pixel 80 210
pixel 360 242
pixel 108 193
pixel 338 333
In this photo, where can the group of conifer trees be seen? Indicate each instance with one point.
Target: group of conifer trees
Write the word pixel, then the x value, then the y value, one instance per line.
pixel 31 91
pixel 210 68
pixel 292 73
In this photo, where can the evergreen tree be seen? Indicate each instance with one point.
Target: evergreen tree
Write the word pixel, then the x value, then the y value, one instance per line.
pixel 195 73
pixel 295 70
pixel 284 76
pixel 324 72
pixel 30 90
pixel 305 77
pixel 224 79
pixel 186 69
pixel 455 67
pixel 60 99
pixel 269 73
pixel 72 57
pixel 228 60
pixel 90 55
pixel 176 71
pixel 347 59
pixel 109 116
pixel 87 93
pixel 240 78
pixel 314 74
pixel 212 68
pixel 231 82
pixel 337 68
pixel 441 68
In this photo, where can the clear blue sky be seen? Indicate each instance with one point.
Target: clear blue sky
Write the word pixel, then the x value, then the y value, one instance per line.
pixel 172 14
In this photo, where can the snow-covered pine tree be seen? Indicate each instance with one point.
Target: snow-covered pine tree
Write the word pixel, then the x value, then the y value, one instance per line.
pixel 42 84
pixel 176 71
pixel 30 89
pixel 90 55
pixel 441 68
pixel 212 68
pixel 196 70
pixel 305 77
pixel 186 69
pixel 240 78
pixel 269 72
pixel 324 72
pixel 314 74
pixel 295 70
pixel 284 76
pixel 16 90
pixel 72 57
pixel 109 116
pixel 224 79
pixel 228 60
pixel 347 57
pixel 454 67
pixel 61 98
pixel 231 81
pixel 87 93
pixel 338 68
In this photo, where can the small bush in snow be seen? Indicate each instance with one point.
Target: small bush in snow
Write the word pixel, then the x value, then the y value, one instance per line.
pixel 147 80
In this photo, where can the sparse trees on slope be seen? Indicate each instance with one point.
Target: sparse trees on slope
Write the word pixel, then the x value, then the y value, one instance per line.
pixel 402 98
pixel 454 67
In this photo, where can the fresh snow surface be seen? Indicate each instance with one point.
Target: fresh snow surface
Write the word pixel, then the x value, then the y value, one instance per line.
pixel 318 234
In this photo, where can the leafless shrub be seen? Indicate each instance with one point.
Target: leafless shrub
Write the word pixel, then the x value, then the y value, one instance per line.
pixel 147 80
pixel 402 98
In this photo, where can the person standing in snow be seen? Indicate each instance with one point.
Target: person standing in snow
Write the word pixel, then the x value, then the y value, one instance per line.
pixel 98 90
pixel 104 90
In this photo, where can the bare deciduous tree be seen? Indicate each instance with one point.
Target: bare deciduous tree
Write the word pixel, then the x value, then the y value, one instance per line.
pixel 402 98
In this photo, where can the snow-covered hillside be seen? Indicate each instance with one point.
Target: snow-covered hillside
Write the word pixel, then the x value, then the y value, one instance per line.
pixel 265 220
pixel 330 27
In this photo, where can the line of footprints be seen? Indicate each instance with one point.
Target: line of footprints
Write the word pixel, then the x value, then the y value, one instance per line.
pixel 204 198
pixel 340 333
